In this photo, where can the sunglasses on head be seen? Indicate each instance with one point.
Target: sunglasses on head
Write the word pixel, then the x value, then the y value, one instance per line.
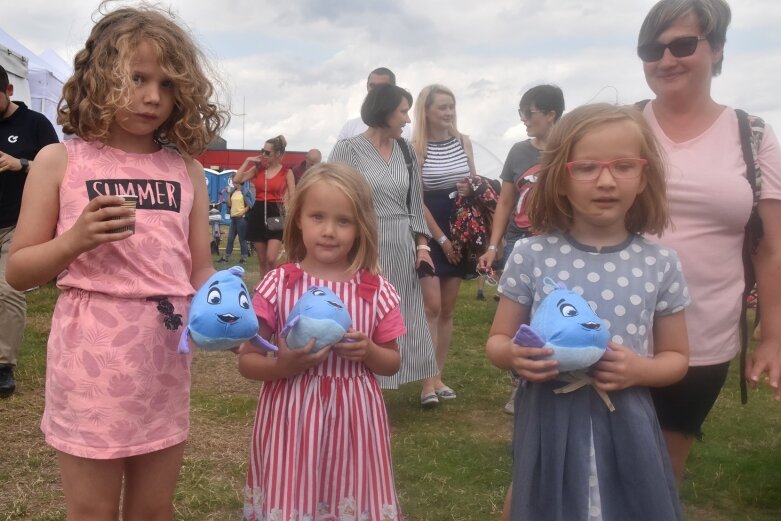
pixel 680 48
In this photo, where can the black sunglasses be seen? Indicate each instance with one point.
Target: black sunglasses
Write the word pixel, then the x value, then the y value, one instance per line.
pixel 680 48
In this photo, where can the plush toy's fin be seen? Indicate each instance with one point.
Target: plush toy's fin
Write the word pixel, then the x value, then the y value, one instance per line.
pixel 261 343
pixel 184 343
pixel 290 323
pixel 527 337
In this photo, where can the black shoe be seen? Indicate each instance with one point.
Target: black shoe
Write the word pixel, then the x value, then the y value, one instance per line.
pixel 242 260
pixel 480 295
pixel 222 259
pixel 7 382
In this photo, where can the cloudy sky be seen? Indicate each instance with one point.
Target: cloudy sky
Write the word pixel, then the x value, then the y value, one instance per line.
pixel 298 67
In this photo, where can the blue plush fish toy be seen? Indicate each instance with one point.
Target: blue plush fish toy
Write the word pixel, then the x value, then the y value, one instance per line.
pixel 566 323
pixel 221 316
pixel 318 314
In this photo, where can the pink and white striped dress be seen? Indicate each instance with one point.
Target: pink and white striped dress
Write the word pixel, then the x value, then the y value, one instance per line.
pixel 320 448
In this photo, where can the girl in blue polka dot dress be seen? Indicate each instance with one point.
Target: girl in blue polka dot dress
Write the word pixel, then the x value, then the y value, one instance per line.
pixel 601 186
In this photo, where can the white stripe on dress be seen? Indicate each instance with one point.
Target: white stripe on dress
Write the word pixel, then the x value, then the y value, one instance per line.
pixel 446 164
pixel 321 438
pixel 397 224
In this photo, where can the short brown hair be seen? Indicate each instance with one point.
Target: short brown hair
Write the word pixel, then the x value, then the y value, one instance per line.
pixel 713 17
pixel 381 102
pixel 549 210
pixel 102 80
pixel 365 251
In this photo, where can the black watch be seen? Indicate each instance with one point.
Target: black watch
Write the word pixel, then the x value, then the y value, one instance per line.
pixel 25 165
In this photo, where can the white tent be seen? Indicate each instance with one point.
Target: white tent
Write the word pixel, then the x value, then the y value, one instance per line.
pixel 16 67
pixel 41 85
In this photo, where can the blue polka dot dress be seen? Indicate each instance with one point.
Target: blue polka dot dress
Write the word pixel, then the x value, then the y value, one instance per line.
pixel 573 458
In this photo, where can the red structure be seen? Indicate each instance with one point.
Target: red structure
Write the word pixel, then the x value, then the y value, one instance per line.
pixel 231 159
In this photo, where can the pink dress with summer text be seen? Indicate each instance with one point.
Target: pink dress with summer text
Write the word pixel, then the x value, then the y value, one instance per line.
pixel 115 384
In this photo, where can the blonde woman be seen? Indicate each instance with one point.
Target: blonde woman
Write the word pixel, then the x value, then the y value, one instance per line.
pixel 445 158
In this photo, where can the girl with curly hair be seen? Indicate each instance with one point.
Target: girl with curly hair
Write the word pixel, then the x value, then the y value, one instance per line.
pixel 121 220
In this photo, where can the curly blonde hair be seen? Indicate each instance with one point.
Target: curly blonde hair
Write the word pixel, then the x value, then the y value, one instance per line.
pixel 365 252
pixel 102 80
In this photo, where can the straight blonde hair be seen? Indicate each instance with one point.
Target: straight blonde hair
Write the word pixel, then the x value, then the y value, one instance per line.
pixel 420 125
pixel 365 251
pixel 549 210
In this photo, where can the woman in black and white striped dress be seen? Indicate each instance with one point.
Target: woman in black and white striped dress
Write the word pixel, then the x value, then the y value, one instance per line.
pixel 446 159
pixel 399 206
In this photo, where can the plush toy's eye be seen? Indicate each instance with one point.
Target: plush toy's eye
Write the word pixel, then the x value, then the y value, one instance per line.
pixel 243 300
pixel 214 297
pixel 318 292
pixel 335 304
pixel 568 310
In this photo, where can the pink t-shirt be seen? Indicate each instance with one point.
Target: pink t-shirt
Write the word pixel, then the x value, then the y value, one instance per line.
pixel 710 202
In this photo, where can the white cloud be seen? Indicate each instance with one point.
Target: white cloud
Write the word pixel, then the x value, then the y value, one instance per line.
pixel 300 66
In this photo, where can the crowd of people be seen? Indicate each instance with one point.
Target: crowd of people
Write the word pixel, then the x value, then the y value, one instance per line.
pixel 625 205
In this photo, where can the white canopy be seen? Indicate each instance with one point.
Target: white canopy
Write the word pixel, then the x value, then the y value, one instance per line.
pixel 16 67
pixel 40 85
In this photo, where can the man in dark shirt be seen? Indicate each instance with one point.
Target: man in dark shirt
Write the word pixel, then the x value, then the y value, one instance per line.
pixel 23 133
pixel 313 157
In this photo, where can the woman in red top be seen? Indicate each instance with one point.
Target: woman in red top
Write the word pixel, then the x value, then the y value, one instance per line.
pixel 273 183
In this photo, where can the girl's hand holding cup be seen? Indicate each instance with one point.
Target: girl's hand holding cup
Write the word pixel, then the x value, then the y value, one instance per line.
pixel 105 218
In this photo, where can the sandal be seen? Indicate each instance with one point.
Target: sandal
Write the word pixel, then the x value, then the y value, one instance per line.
pixel 445 393
pixel 429 400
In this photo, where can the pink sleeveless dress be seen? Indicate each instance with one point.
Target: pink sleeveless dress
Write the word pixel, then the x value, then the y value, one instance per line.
pixel 115 384
pixel 320 446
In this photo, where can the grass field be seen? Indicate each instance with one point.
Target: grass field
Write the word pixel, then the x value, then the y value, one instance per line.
pixel 451 463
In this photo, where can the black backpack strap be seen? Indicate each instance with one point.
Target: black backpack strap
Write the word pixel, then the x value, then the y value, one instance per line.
pixel 751 130
pixel 408 160
pixel 640 105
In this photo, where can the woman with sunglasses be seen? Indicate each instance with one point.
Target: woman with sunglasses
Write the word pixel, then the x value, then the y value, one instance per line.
pixel 539 109
pixel 274 183
pixel 681 44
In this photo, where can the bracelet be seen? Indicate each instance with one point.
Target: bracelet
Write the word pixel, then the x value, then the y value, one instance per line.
pixel 442 240
pixel 423 247
pixel 491 247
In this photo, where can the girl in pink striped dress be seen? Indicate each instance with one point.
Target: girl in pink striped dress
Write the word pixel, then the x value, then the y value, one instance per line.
pixel 320 448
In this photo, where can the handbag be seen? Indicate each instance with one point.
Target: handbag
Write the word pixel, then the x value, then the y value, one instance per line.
pixel 472 217
pixel 274 223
